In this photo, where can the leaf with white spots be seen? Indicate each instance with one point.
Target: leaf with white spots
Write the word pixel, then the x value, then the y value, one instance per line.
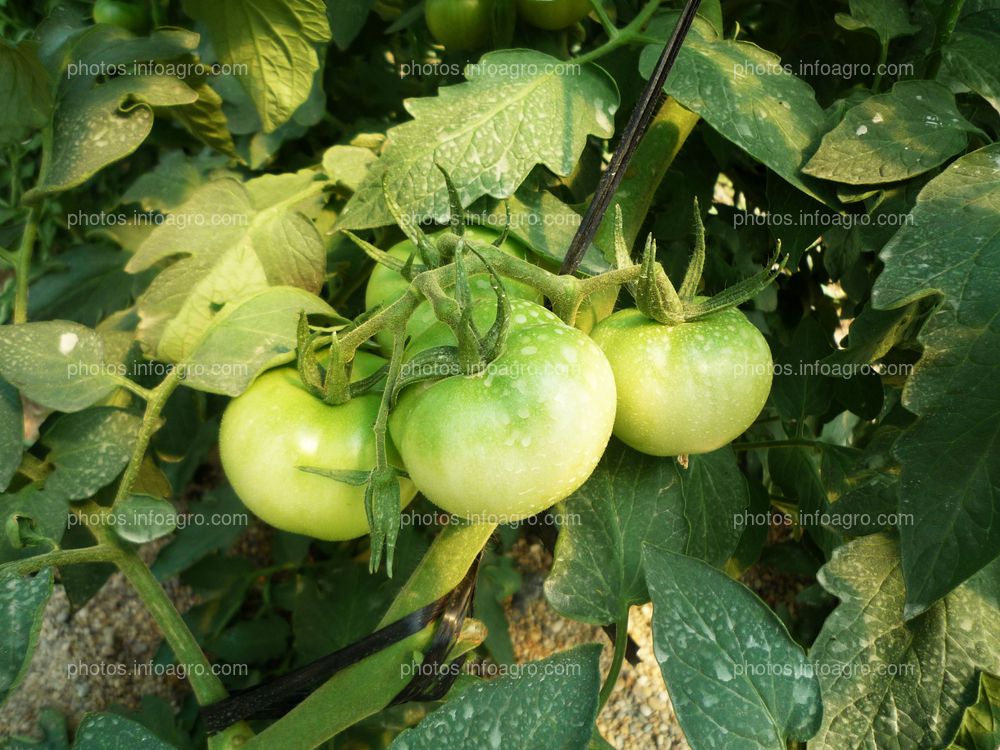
pixel 56 363
pixel 547 705
pixel 891 683
pixel 22 605
pixel 96 127
pixel 950 479
pixel 518 108
pixel 888 19
pixel 632 500
pixel 736 678
pixel 88 450
pixel 893 136
pixel 108 731
pixel 745 94
pixel 272 46
pixel 237 239
pixel 245 336
pixel 11 432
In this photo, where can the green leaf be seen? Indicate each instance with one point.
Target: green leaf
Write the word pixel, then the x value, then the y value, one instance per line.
pixel 887 18
pixel 45 512
pixel 745 94
pixel 22 604
pixel 173 180
pixel 96 127
pixel 25 91
pixel 205 120
pixel 109 731
pixel 549 706
pixel 517 109
pixel 347 166
pixel 11 433
pixel 238 239
pixel 252 641
pixel 245 336
pixel 890 683
pixel 57 363
pixel 980 729
pixel 86 284
pixel 632 500
pixel 347 17
pixel 141 518
pixel 213 524
pixel 894 136
pixel 950 462
pixel 737 679
pixel 874 333
pixel 547 226
pixel 798 390
pixel 274 42
pixel 970 55
pixel 88 450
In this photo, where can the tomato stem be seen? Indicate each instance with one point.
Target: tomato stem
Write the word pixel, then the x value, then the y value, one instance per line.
pixel 621 644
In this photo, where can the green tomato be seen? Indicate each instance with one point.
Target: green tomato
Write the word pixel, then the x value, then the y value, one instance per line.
pixel 385 286
pixel 687 388
pixel 460 24
pixel 277 425
pixel 514 439
pixel 131 16
pixel 553 14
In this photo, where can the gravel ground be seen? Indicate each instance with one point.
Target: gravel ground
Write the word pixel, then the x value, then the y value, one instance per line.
pixel 86 661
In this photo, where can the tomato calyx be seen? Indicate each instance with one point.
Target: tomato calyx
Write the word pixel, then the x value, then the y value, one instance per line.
pixel 655 295
pixel 330 383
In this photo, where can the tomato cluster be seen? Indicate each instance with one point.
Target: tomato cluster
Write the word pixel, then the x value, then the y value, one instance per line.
pixel 468 24
pixel 511 440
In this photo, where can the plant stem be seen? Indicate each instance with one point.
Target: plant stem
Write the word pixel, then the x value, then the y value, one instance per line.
pixel 157 399
pixel 602 15
pixel 951 10
pixel 621 643
pixel 883 55
pixel 130 385
pixel 58 557
pixel 206 685
pixel 23 267
pixel 624 36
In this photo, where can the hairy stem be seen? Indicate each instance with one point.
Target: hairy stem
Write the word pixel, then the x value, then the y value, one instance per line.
pixel 156 400
pixel 55 558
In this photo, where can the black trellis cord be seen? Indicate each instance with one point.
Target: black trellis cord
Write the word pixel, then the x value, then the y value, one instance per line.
pixel 275 698
pixel 638 122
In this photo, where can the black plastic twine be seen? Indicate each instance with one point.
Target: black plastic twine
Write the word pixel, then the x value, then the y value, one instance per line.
pixel 275 698
pixel 639 121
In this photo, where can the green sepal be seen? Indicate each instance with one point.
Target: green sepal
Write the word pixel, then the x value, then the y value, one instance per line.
pixel 407 269
pixel 382 509
pixel 692 277
pixel 306 361
pixel 429 254
pixel 655 295
pixel 353 477
pixel 623 255
pixel 469 341
pixel 330 384
pixel 360 387
pixel 493 342
pixel 457 213
pixel 430 364
pixel 738 293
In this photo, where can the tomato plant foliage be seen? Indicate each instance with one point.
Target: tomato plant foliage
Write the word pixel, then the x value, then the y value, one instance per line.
pixel 339 223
